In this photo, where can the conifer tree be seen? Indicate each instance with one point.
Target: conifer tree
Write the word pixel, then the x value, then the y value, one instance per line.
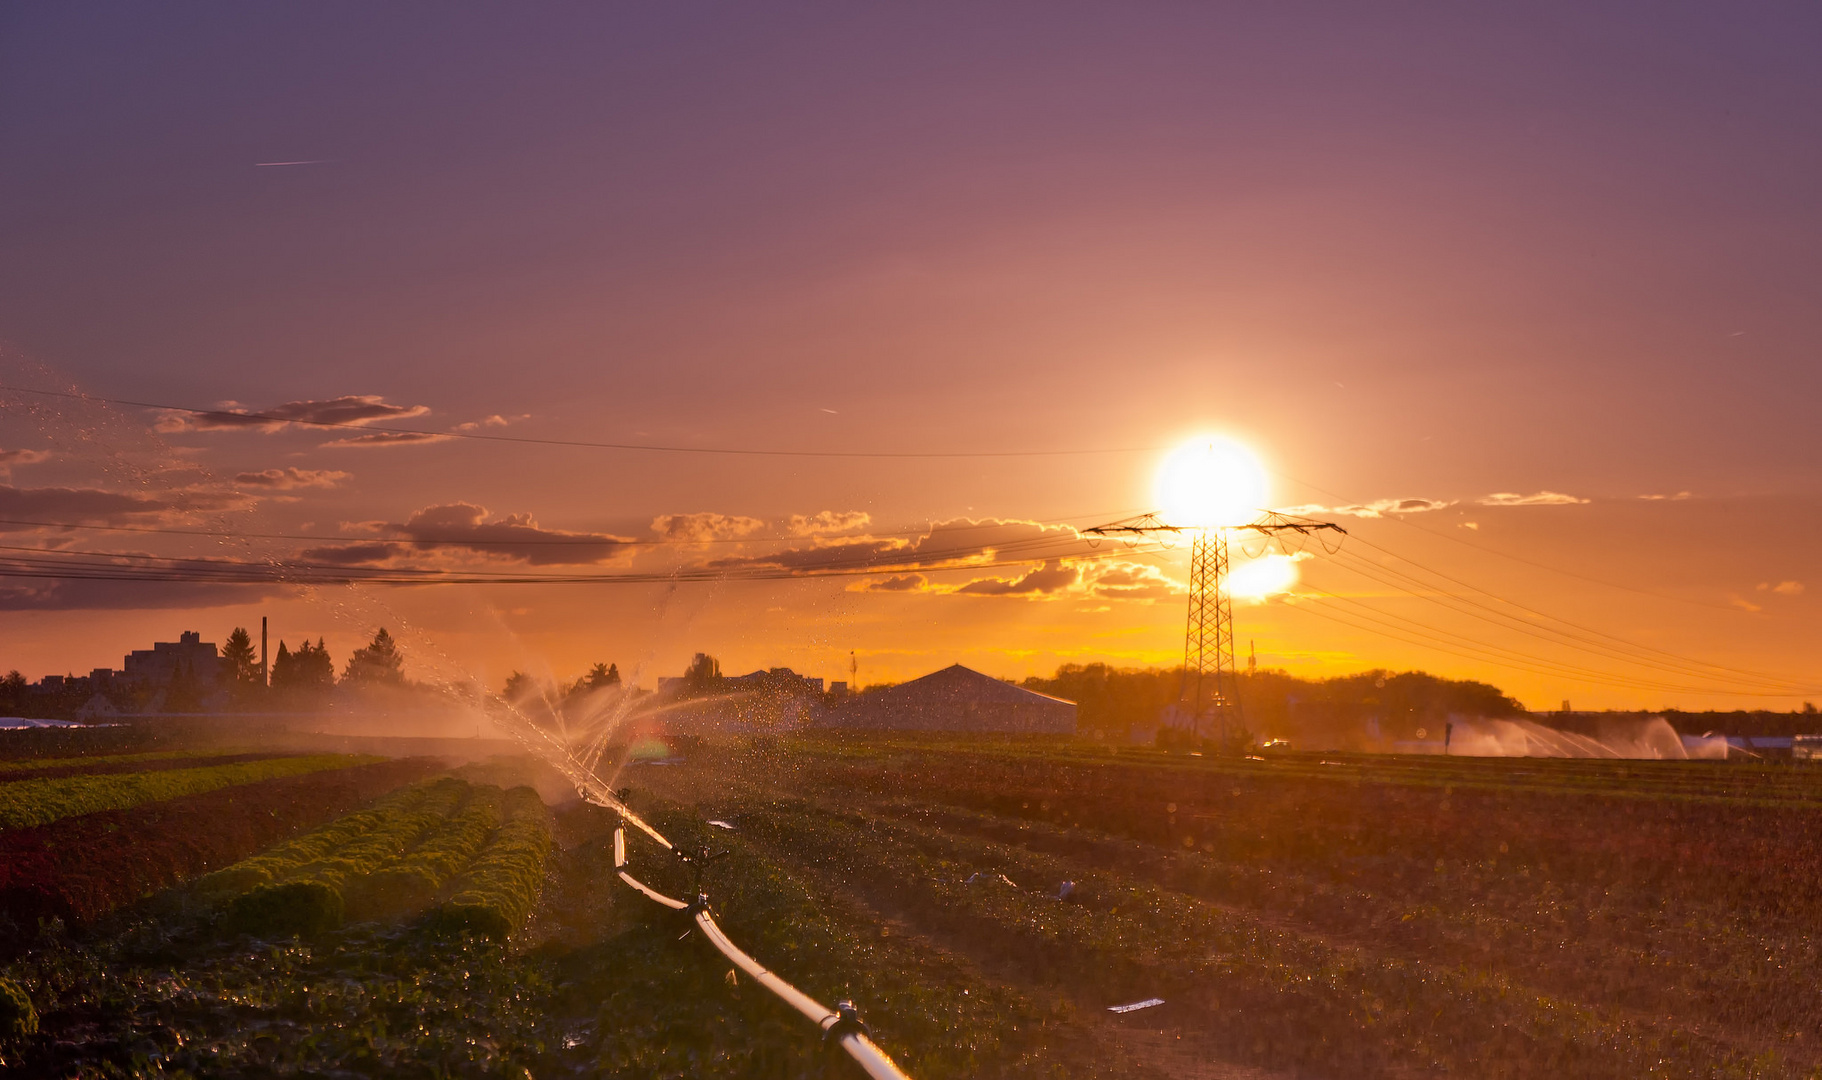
pixel 240 666
pixel 380 662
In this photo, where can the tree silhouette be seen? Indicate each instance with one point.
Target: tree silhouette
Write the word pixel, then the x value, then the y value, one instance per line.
pixel 518 685
pixel 240 667
pixel 602 676
pixel 306 671
pixel 703 675
pixel 183 695
pixel 380 662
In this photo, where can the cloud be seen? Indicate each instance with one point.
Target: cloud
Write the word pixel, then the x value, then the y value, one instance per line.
pixel 896 583
pixel 1052 577
pixel 1542 498
pixel 494 421
pixel 466 527
pixel 958 543
pixel 828 521
pixel 388 438
pixel 76 595
pixel 697 528
pixel 1678 497
pixel 9 459
pixel 1375 509
pixel 93 506
pixel 288 479
pixel 350 554
pixel 1131 581
pixel 354 409
pixel 1783 588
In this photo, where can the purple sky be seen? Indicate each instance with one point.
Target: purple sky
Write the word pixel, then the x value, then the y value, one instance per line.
pixel 1425 250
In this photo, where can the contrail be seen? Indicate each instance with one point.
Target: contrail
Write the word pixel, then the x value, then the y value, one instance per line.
pixel 266 164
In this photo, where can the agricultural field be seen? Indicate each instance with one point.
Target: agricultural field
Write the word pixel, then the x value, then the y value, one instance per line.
pixel 983 904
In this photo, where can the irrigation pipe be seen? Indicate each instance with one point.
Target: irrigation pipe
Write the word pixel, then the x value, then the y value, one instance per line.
pixel 865 1052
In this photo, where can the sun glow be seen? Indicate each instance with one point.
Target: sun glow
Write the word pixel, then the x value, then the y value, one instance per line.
pixel 1259 578
pixel 1211 481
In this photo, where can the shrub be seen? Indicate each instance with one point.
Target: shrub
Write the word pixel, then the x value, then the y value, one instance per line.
pixel 17 1017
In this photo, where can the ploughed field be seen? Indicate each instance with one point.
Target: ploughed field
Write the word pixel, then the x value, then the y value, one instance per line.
pixel 231 913
pixel 1340 916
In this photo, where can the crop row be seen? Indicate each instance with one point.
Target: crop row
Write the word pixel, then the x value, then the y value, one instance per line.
pixel 478 849
pixel 1578 940
pixel 1750 783
pixel 1283 999
pixel 99 760
pixel 1750 858
pixel 39 802
pixel 935 1016
pixel 153 765
pixel 81 867
pixel 496 892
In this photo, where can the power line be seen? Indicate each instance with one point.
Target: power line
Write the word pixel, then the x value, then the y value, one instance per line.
pixel 1579 635
pixel 145 568
pixel 654 448
pixel 1402 520
pixel 600 541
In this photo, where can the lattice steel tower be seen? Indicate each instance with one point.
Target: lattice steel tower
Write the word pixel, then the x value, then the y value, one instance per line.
pixel 1210 686
pixel 1210 689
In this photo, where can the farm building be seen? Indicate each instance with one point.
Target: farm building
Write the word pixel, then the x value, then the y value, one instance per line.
pixel 957 699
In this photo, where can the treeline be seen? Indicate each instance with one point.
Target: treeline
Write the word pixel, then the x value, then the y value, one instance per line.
pixel 1367 708
pixel 522 687
pixel 303 678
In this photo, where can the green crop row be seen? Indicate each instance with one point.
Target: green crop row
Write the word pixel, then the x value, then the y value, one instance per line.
pixel 411 882
pixel 495 894
pixel 34 764
pixel 480 851
pixel 40 802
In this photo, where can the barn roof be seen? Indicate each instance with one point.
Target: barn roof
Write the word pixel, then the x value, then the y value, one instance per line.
pixel 955 684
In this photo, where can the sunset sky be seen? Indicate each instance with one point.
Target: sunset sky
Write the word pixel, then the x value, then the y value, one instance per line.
pixel 1527 300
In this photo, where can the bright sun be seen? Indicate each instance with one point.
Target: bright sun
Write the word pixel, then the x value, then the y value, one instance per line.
pixel 1265 576
pixel 1211 481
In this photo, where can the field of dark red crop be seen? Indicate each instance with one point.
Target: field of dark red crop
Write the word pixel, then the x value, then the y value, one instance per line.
pixel 80 867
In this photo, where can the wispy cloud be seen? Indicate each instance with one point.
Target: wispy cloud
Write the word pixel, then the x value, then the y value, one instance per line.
pixel 77 595
pixel 1052 577
pixel 9 459
pixel 353 409
pixel 289 479
pixel 376 439
pixel 494 421
pixel 94 506
pixel 1782 588
pixel 701 527
pixel 1678 497
pixel 895 583
pixel 1376 509
pixel 828 521
pixel 469 528
pixel 957 543
pixel 1541 498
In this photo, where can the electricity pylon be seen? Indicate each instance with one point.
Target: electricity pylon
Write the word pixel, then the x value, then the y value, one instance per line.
pixel 1210 688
